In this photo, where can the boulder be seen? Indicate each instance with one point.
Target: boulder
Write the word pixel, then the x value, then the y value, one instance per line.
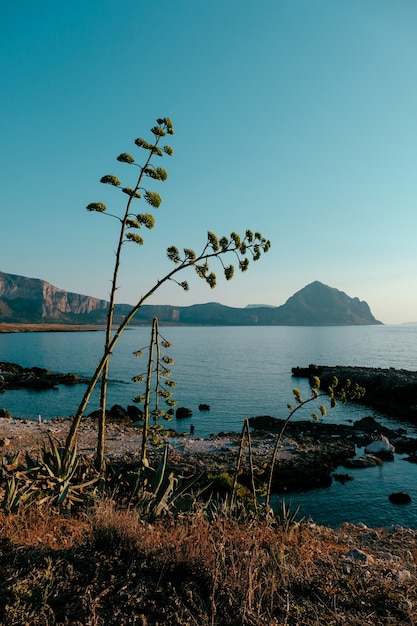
pixel 367 460
pixel 381 448
pixel 367 424
pixel 135 413
pixel 404 445
pixel 204 407
pixel 411 459
pixel 401 497
pixel 360 556
pixel 182 411
pixel 118 414
pixel 5 413
pixel 342 478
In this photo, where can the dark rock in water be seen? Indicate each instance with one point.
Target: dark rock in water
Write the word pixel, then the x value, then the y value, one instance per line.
pixel 405 445
pixel 389 390
pixel 118 414
pixel 342 478
pixel 204 407
pixel 13 376
pixel 134 412
pixel 182 411
pixel 367 424
pixel 411 459
pixel 305 471
pixel 402 497
pixel 367 460
pixel 382 448
pixel 5 413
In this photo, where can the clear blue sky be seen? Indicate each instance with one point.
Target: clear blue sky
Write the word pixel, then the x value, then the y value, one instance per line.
pixel 296 118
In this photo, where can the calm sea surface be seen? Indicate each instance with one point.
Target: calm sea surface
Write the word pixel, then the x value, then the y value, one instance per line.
pixel 240 372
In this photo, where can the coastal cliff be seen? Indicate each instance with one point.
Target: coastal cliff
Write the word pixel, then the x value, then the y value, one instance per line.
pixel 31 300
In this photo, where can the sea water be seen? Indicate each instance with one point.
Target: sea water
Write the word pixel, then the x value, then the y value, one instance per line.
pixel 239 372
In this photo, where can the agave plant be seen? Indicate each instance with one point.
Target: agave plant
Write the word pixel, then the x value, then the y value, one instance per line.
pixel 52 478
pixel 64 479
pixel 286 516
pixel 161 492
pixel 15 494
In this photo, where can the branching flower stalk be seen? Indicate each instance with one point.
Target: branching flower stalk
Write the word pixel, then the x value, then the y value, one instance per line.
pixel 148 393
pixel 349 392
pixel 253 244
pixel 127 223
pixel 161 375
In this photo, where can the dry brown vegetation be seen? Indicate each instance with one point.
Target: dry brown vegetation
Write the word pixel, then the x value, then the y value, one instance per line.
pixel 112 567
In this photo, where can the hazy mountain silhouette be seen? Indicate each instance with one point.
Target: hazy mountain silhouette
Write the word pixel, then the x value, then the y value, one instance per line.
pixel 31 301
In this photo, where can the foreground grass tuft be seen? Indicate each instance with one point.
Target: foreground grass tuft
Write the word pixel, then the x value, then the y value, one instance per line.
pixel 111 567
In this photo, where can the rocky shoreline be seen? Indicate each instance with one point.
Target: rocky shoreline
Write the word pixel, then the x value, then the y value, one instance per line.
pixel 306 459
pixel 13 376
pixel 391 391
pixel 322 447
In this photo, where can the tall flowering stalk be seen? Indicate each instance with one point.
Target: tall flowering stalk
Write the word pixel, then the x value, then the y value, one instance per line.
pixel 158 383
pixel 130 224
pixel 251 245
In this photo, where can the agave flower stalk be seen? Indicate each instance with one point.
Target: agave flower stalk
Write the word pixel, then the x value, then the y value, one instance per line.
pixel 350 391
pixel 164 127
pixel 253 245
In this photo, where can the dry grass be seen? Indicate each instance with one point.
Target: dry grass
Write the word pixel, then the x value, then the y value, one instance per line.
pixel 112 567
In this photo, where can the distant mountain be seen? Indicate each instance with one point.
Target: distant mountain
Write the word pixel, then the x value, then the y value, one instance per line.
pixel 320 305
pixel 31 300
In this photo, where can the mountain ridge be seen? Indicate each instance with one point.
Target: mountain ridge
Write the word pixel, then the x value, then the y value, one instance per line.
pixel 32 300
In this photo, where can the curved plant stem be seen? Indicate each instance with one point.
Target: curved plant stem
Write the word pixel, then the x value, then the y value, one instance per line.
pixel 148 392
pixel 100 465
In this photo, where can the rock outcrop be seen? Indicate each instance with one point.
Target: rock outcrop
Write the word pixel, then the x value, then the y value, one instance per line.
pixel 13 376
pixel 389 390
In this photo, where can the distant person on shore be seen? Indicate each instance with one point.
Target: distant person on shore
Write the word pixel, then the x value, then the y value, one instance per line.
pixel 192 430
